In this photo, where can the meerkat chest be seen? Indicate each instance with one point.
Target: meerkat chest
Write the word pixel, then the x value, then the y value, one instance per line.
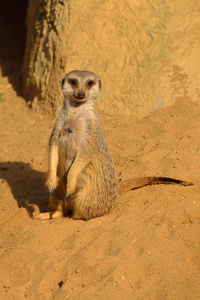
pixel 69 143
pixel 74 133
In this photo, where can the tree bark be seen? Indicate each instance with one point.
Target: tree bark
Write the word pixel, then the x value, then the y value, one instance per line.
pixel 43 63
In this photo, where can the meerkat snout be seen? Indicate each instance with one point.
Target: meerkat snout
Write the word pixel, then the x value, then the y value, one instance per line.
pixel 80 95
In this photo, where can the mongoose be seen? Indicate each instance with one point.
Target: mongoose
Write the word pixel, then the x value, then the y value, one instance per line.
pixel 81 177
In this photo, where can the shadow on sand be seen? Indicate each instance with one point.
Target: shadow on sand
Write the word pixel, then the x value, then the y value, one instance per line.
pixel 27 185
pixel 13 38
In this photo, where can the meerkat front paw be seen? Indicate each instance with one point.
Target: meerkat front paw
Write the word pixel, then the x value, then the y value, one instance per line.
pixel 52 185
pixel 68 196
pixel 51 191
pixel 70 190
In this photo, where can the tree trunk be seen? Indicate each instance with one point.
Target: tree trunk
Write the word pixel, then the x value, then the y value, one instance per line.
pixel 43 64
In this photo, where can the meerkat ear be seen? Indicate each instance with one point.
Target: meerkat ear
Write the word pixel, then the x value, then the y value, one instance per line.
pixel 63 82
pixel 99 84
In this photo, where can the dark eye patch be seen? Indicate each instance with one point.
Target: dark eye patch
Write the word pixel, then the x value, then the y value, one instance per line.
pixel 62 82
pixel 99 84
pixel 90 83
pixel 73 82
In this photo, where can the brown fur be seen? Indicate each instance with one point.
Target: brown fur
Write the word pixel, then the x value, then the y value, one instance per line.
pixel 81 172
pixel 81 177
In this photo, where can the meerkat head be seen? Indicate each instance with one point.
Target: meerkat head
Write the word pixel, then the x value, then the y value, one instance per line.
pixel 81 86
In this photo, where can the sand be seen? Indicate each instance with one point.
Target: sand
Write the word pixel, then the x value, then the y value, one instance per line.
pixel 148 247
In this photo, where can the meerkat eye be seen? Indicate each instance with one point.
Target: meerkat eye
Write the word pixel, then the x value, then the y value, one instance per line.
pixel 73 82
pixel 90 83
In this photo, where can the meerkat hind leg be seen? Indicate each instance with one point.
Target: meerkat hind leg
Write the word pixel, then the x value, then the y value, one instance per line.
pixel 75 170
pixel 57 214
pixel 55 209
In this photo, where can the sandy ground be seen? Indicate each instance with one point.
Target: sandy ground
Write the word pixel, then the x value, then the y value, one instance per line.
pixel 146 248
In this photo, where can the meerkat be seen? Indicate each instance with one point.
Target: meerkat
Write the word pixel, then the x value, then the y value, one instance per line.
pixel 81 177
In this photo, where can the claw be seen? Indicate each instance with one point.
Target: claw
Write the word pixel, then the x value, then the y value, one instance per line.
pixel 51 191
pixel 68 196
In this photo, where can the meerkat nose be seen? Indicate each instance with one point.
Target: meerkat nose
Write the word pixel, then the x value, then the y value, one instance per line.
pixel 81 95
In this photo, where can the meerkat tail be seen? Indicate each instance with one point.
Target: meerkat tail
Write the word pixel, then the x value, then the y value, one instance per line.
pixel 136 183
